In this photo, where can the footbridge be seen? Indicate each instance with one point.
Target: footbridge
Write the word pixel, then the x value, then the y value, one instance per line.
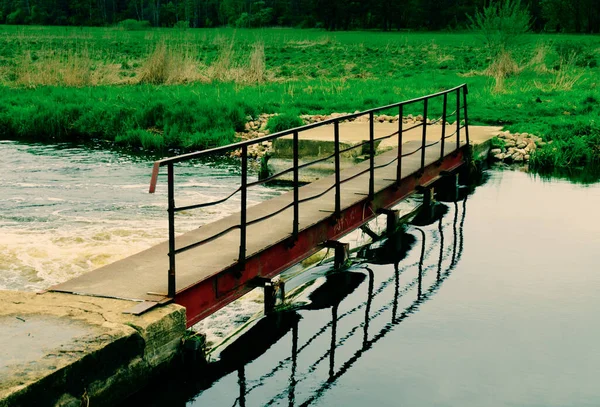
pixel 207 268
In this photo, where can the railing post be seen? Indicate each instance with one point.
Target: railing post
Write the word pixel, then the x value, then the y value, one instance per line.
pixel 457 118
pixel 296 188
pixel 400 132
pixel 338 196
pixel 244 190
pixel 371 156
pixel 465 92
pixel 171 210
pixel 444 113
pixel 424 141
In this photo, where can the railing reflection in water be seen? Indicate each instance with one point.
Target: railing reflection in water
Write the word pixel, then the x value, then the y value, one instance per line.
pixel 444 264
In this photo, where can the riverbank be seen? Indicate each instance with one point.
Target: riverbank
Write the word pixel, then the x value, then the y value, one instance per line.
pixel 166 91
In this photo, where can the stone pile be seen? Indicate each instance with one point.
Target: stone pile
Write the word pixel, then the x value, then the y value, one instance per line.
pixel 517 147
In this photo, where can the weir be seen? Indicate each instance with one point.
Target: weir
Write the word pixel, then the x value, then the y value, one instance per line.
pixel 205 269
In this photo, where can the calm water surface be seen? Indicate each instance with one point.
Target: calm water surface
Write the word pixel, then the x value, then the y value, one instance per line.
pixel 497 308
pixel 500 309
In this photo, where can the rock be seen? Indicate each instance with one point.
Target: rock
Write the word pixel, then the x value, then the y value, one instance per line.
pixel 524 135
pixel 499 157
pixel 511 150
pixel 419 118
pixel 511 137
pixel 521 144
pixel 527 157
pixel 540 143
pixel 495 151
pixel 409 117
pixel 509 143
pixel 518 157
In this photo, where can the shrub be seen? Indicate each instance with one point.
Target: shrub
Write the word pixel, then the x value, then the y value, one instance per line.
pixel 182 25
pixel 501 23
pixel 134 25
pixel 283 122
pixel 574 146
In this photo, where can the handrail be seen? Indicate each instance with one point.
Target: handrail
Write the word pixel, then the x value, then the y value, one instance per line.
pixel 461 105
pixel 270 137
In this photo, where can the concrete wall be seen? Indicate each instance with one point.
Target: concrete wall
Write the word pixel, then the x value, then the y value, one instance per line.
pixel 62 349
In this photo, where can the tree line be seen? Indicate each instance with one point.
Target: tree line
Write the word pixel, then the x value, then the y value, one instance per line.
pixel 547 15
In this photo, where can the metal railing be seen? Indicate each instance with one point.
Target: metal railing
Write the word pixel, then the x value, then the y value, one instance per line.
pixel 461 122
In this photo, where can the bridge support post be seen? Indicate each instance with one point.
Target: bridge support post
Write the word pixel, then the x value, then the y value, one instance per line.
pixel 272 291
pixel 449 185
pixel 279 294
pixel 341 254
pixel 392 220
pixel 269 293
pixel 428 201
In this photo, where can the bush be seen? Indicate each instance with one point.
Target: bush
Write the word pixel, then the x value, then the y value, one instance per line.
pixel 182 25
pixel 283 122
pixel 573 51
pixel 501 23
pixel 574 146
pixel 134 25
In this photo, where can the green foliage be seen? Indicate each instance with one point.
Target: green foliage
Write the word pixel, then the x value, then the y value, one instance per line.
pixel 133 25
pixel 283 122
pixel 182 25
pixel 498 143
pixel 305 72
pixel 573 146
pixel 575 52
pixel 501 22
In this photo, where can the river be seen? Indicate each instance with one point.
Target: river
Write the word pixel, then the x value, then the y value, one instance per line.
pixel 497 308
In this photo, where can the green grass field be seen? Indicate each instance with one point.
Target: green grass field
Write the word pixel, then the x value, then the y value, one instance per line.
pixel 165 89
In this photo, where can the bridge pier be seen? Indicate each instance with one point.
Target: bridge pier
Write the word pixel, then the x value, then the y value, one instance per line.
pixel 392 220
pixel 428 203
pixel 341 252
pixel 448 187
pixel 273 291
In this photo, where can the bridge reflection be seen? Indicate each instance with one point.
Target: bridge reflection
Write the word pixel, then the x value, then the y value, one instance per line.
pixel 340 285
pixel 440 250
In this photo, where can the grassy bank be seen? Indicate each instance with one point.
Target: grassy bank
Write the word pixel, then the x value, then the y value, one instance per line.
pixel 190 89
